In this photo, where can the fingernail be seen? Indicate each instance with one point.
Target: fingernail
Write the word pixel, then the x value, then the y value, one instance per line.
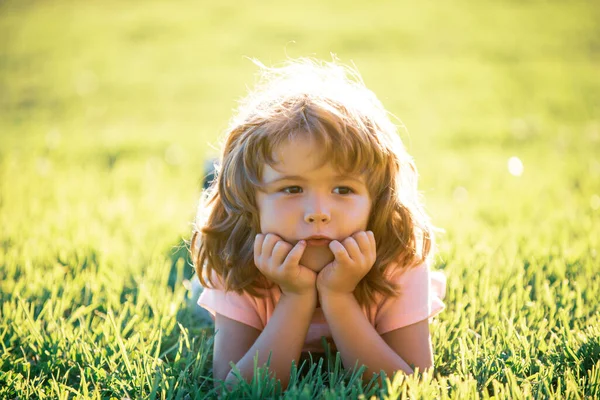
pixel 302 242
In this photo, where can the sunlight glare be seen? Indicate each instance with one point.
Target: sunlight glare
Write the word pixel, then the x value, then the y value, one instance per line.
pixel 515 166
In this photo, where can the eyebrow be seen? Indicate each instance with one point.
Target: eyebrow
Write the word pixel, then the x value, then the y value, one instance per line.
pixel 286 178
pixel 301 178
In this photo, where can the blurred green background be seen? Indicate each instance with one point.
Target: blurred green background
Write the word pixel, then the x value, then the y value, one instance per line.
pixel 108 111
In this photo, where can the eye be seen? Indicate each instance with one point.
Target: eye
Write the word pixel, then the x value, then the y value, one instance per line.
pixel 343 190
pixel 291 190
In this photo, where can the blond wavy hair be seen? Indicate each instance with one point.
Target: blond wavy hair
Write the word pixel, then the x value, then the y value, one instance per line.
pixel 327 102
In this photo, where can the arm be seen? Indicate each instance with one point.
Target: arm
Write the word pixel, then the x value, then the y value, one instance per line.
pixel 282 338
pixel 358 341
pixel 285 332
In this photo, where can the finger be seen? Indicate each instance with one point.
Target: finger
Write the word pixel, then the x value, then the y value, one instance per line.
pixel 353 249
pixel 270 242
pixel 339 252
pixel 371 236
pixel 258 243
pixel 364 244
pixel 294 256
pixel 280 251
pixel 373 245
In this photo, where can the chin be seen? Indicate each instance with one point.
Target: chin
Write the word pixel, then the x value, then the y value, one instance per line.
pixel 316 258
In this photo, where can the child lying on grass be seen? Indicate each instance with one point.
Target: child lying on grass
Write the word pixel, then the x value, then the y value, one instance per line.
pixel 313 228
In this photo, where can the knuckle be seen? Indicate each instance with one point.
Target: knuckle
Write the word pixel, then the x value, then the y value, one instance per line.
pixel 259 265
pixel 282 245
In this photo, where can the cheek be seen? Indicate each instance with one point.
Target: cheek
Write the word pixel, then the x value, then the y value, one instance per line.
pixel 359 213
pixel 273 214
pixel 367 211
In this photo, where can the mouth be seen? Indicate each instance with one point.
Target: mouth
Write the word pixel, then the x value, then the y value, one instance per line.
pixel 318 240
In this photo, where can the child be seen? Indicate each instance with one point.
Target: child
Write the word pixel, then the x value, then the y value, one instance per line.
pixel 314 228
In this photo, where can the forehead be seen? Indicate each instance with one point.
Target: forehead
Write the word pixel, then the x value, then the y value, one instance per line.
pixel 297 155
pixel 304 157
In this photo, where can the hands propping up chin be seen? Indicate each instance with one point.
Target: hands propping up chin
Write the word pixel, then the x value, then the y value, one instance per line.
pixel 279 261
pixel 354 258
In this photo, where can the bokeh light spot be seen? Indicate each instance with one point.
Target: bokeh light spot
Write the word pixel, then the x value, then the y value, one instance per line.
pixel 595 202
pixel 515 166
pixel 460 195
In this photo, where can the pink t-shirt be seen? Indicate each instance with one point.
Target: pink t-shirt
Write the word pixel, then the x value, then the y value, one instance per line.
pixel 421 294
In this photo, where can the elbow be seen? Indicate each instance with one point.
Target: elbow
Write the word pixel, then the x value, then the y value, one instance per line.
pixel 232 379
pixel 221 375
pixel 284 383
pixel 426 364
pixel 228 381
pixel 420 364
pixel 225 378
pixel 421 367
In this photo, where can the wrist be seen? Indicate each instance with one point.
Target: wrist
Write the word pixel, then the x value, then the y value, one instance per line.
pixel 329 297
pixel 307 297
pixel 322 288
pixel 298 291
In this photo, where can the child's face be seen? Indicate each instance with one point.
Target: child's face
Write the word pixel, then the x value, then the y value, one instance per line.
pixel 302 199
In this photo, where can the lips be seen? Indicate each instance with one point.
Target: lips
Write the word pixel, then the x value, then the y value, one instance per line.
pixel 318 240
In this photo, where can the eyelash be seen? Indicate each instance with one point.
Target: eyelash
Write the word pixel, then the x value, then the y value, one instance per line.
pixel 287 188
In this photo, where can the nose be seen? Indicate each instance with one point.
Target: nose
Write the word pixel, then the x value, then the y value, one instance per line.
pixel 317 217
pixel 316 212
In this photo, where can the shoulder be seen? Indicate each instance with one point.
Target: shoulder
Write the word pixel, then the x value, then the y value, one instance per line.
pixel 242 307
pixel 419 298
pixel 403 276
pixel 215 281
pixel 420 278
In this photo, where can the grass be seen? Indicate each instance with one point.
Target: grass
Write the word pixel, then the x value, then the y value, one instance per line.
pixel 108 112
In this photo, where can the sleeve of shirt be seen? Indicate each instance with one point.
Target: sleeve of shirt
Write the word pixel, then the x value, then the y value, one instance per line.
pixel 239 307
pixel 421 293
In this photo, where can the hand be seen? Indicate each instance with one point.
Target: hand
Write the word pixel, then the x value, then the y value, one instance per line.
pixel 354 258
pixel 279 261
